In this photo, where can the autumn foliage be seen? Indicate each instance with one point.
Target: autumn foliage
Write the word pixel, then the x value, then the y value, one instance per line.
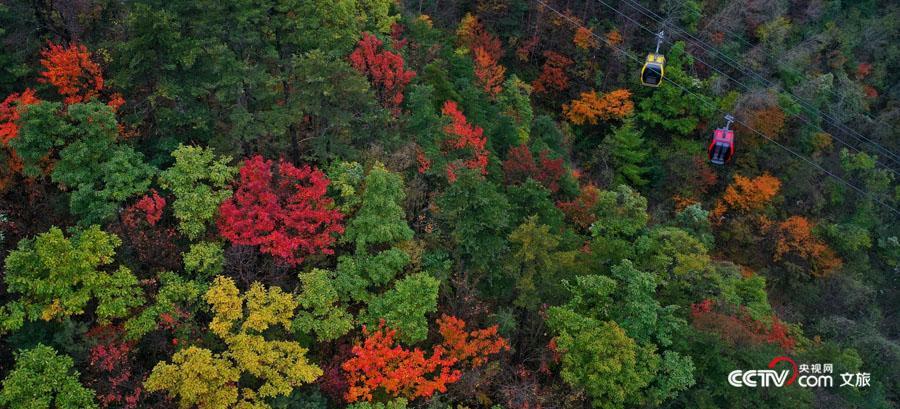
pixel 769 121
pixel 486 51
pixel 10 110
pixel 521 165
pixel 747 195
pixel 151 206
pixel 526 48
pixel 580 210
pixel 473 35
pixel 737 327
pixel 472 348
pixel 584 38
pixel 285 212
pixel 614 37
pixel 398 42
pixel 488 72
pixel 71 70
pixel 380 365
pixel 385 69
pixel 263 205
pixel 154 244
pixel 466 138
pixel 114 376
pixel 553 73
pixel 591 107
pixel 795 238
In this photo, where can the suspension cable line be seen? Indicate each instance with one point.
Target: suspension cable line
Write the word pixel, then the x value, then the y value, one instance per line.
pixel 746 88
pixel 745 125
pixel 895 159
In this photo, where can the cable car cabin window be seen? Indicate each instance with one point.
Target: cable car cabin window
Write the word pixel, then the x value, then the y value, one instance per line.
pixel 720 153
pixel 652 74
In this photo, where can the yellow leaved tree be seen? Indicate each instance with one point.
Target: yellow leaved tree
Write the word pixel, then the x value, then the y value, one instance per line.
pixel 199 377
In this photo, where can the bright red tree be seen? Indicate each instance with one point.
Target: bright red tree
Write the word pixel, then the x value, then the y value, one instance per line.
pixel 151 206
pixel 10 112
pixel 285 213
pixel 464 137
pixel 383 68
pixel 71 70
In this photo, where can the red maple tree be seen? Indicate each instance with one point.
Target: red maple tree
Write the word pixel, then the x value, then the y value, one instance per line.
pixel 520 165
pixel 285 213
pixel 151 206
pixel 464 137
pixel 10 111
pixel 71 70
pixel 383 68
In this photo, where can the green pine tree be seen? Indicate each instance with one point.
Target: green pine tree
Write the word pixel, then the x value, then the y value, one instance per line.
pixel 628 154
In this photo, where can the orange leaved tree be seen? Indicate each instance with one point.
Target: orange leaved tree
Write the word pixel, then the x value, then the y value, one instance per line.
pixel 380 366
pixel 584 39
pixel 747 195
pixel 795 239
pixel 592 107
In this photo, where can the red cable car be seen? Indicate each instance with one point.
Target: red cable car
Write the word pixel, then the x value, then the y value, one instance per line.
pixel 721 148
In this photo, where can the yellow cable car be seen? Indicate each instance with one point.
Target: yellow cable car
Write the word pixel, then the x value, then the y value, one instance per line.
pixel 654 66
